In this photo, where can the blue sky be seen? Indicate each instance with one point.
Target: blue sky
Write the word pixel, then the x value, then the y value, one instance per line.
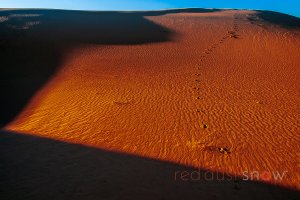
pixel 291 7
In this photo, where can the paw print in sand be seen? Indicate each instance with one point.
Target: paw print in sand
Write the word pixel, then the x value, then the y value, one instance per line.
pixel 224 150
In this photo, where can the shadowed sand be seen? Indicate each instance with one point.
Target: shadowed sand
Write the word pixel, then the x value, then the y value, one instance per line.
pixel 39 168
pixel 190 89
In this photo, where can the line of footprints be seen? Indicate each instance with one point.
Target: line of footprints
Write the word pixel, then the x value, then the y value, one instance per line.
pixel 231 34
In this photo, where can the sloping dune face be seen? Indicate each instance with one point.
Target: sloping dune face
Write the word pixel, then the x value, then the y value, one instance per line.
pixel 214 90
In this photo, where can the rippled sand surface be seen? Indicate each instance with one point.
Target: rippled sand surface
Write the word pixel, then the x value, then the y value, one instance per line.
pixel 225 80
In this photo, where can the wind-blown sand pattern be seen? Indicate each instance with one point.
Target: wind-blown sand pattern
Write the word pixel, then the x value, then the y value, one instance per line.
pixel 220 91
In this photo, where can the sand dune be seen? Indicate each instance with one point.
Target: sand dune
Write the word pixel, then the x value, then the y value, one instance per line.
pixel 210 89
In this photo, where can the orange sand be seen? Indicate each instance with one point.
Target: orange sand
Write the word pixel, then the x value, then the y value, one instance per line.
pixel 180 100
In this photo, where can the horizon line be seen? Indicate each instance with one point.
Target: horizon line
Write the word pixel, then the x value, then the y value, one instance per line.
pixel 150 10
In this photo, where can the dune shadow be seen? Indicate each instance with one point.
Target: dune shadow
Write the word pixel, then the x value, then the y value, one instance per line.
pixel 280 19
pixel 39 168
pixel 73 27
pixel 33 44
pixel 175 11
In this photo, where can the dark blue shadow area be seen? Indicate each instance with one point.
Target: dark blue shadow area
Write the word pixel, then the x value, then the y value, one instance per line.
pixel 81 27
pixel 280 19
pixel 38 168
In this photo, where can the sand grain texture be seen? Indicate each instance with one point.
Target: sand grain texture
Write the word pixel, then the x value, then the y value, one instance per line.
pixel 221 79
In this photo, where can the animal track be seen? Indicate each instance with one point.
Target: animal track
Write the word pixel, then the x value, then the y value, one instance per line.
pixel 224 150
pixel 233 33
pixel 218 149
pixel 205 126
